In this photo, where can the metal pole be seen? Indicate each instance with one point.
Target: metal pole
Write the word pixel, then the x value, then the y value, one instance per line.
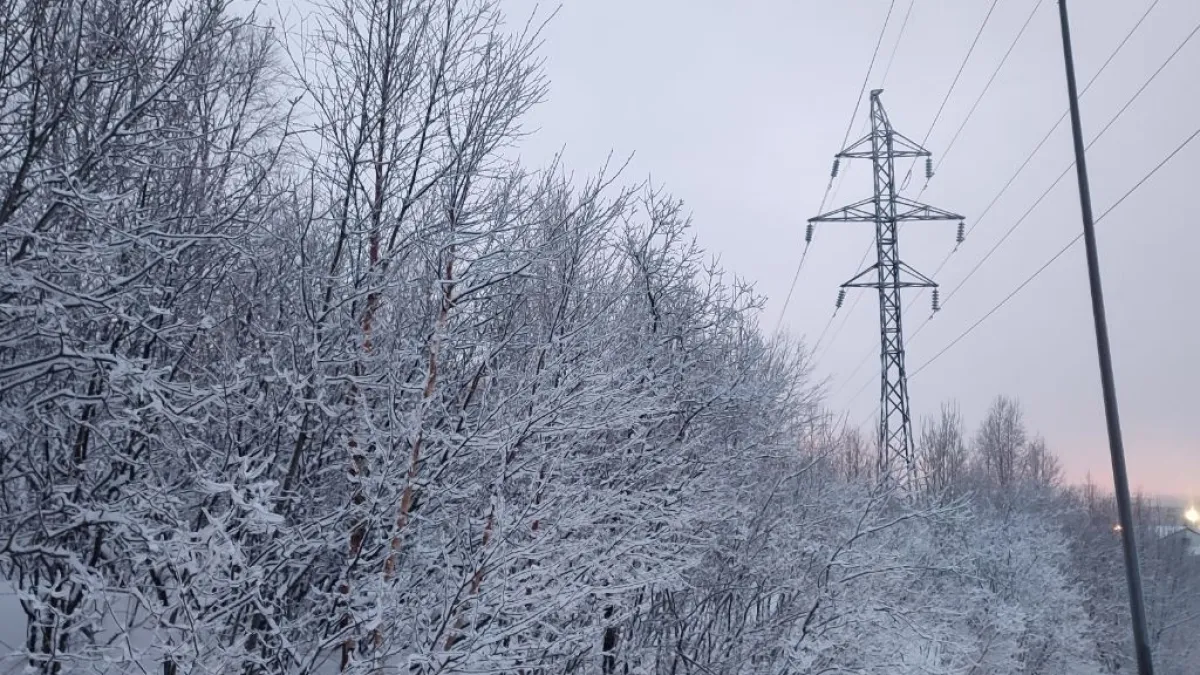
pixel 1133 575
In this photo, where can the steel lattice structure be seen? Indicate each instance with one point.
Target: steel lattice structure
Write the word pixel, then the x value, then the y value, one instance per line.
pixel 889 275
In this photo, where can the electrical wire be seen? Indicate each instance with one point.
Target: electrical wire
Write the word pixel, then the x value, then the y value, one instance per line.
pixel 1000 66
pixel 883 82
pixel 962 66
pixel 849 127
pixel 1028 280
pixel 899 38
pixel 861 261
pixel 792 288
pixel 1057 255
pixel 863 89
pixel 863 388
pixel 1067 170
pixel 1037 148
pixel 853 303
pixel 1044 266
pixel 850 377
pixel 817 345
pixel 1048 263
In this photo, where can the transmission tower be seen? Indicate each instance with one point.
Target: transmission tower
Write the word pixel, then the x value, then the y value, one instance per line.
pixel 889 275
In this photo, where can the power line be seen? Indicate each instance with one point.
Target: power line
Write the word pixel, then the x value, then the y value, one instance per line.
pixel 850 377
pixel 1039 270
pixel 1029 158
pixel 1129 34
pixel 1012 46
pixel 849 127
pixel 1097 137
pixel 842 179
pixel 966 120
pixel 1037 148
pixel 945 99
pixel 853 303
pixel 862 260
pixel 792 288
pixel 861 389
pixel 863 89
pixel 1059 254
pixel 1028 280
pixel 824 330
pixel 962 66
pixel 899 38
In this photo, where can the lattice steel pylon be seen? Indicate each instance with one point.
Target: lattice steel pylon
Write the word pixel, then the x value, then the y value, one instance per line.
pixel 889 275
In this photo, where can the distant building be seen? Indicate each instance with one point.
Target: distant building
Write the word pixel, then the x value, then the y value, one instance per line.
pixel 1188 537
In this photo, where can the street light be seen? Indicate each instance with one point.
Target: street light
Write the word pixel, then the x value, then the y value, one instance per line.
pixel 1192 515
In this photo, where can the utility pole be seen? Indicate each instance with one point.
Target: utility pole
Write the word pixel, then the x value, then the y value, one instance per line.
pixel 889 275
pixel 1133 575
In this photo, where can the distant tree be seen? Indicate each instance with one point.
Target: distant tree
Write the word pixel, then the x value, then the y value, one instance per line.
pixel 942 453
pixel 1000 442
pixel 1170 580
pixel 1041 467
pixel 854 455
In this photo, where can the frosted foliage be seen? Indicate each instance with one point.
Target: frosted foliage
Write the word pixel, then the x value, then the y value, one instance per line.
pixel 300 375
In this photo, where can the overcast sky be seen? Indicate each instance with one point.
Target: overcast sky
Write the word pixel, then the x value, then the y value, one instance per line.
pixel 738 107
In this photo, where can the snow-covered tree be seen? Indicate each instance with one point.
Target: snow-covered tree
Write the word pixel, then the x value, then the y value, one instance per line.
pixel 942 453
pixel 300 374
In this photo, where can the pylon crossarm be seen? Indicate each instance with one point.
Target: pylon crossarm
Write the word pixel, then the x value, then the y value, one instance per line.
pixel 907 209
pixel 864 279
pixel 918 280
pixel 858 212
pixel 903 146
pixel 856 149
pixel 899 284
pixel 907 277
